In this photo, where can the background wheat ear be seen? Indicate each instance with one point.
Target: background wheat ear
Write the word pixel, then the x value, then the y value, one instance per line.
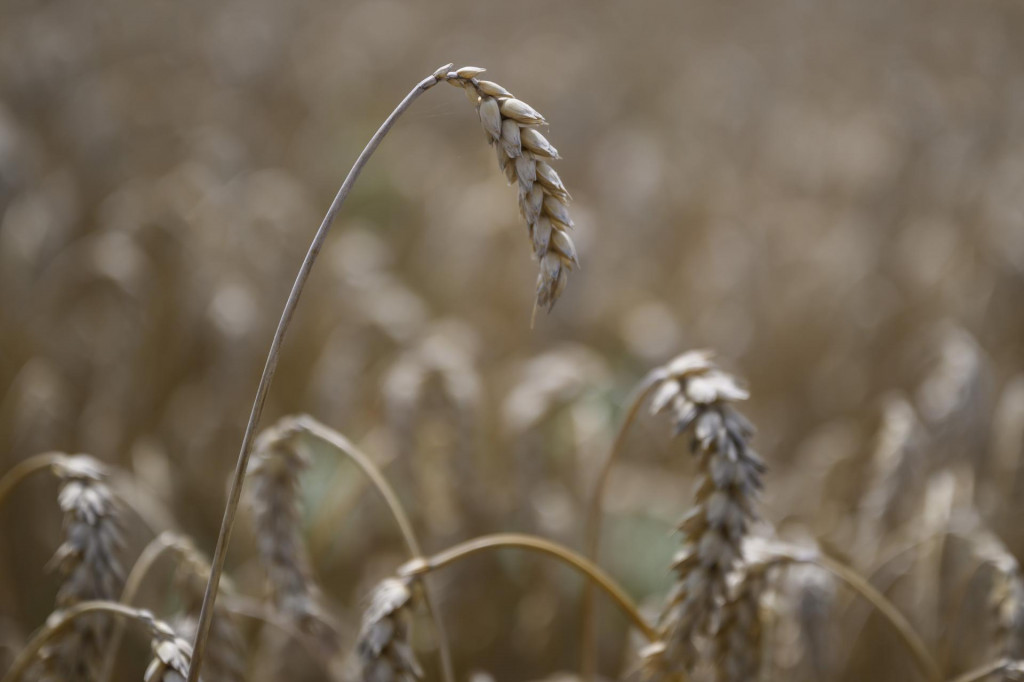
pixel 89 564
pixel 274 502
pixel 699 398
pixel 171 656
pixel 384 648
pixel 523 156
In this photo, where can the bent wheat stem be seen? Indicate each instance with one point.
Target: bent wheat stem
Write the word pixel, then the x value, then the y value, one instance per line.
pixel 980 673
pixel 26 468
pixel 380 482
pixel 61 621
pixel 536 544
pixel 592 532
pixel 924 660
pixel 267 377
pixel 147 558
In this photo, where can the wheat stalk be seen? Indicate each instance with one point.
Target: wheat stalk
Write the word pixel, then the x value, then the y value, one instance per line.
pixel 523 156
pixel 552 197
pixel 61 621
pixel 384 649
pixel 274 502
pixel 738 638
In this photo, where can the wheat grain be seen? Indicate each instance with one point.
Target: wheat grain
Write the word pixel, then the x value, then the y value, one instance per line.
pixel 384 648
pixel 523 154
pixel 274 502
pixel 699 397
pixel 88 562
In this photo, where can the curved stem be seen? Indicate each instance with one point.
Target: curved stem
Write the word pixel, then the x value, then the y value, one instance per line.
pixel 927 665
pixel 65 620
pixel 530 542
pixel 140 570
pixel 25 468
pixel 380 482
pixel 980 673
pixel 267 377
pixel 592 531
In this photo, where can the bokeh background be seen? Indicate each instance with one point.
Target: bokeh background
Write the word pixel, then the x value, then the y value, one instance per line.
pixel 829 194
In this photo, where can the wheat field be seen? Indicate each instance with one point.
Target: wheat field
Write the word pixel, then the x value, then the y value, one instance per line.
pixel 690 347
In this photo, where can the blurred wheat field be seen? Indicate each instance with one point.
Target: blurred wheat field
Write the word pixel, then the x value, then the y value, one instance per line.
pixel 828 195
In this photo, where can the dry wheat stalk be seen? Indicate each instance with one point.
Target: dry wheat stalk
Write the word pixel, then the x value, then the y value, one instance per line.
pixel 274 501
pixel 384 649
pixel 87 559
pixel 524 155
pixel 699 397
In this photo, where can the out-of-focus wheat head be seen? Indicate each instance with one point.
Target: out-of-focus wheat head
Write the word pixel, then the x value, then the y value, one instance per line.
pixel 384 649
pixel 523 156
pixel 274 501
pixel 700 399
pixel 171 656
pixel 88 561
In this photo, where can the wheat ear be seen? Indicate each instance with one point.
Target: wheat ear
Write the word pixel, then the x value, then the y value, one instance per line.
pixel 88 562
pixel 274 501
pixel 523 156
pixel 699 397
pixel 384 648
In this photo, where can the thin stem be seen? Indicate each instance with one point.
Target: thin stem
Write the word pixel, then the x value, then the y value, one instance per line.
pixel 234 495
pixel 1002 665
pixel 380 482
pixel 927 665
pixel 530 542
pixel 592 532
pixel 140 570
pixel 66 618
pixel 26 468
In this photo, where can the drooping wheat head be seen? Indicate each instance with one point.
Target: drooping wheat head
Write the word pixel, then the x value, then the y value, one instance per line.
pixel 88 562
pixel 171 656
pixel 274 501
pixel 699 398
pixel 524 155
pixel 384 648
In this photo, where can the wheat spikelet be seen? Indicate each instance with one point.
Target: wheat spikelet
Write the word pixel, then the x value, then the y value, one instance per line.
pixel 739 635
pixel 384 648
pixel 523 156
pixel 699 397
pixel 226 658
pixel 274 502
pixel 87 559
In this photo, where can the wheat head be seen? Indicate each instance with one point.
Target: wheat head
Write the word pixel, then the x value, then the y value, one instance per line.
pixel 384 649
pixel 523 156
pixel 700 399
